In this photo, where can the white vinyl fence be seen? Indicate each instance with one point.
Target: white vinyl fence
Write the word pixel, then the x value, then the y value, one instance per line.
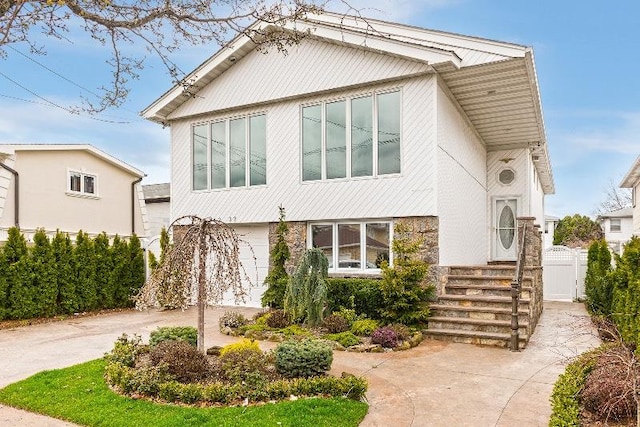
pixel 563 273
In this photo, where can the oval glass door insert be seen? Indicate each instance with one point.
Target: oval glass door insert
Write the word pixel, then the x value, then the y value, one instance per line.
pixel 506 226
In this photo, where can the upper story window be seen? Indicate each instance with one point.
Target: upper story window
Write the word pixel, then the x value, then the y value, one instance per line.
pixel 615 224
pixel 230 153
pixel 82 183
pixel 354 137
pixel 353 245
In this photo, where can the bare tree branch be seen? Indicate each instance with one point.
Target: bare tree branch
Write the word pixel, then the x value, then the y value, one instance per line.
pixel 616 198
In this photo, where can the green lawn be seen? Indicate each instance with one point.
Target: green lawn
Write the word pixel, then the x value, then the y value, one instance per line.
pixel 79 394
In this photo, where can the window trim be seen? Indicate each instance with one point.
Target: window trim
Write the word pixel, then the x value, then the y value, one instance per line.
pixel 348 136
pixel 82 193
pixel 247 145
pixel 335 250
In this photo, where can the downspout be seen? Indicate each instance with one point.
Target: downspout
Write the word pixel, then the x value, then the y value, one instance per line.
pixel 133 205
pixel 16 194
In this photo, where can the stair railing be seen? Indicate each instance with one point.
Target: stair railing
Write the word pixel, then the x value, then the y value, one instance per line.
pixel 516 285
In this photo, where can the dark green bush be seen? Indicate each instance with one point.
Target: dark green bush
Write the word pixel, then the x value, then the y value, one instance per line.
pixel 626 292
pixel 183 361
pixel 232 319
pixel 335 324
pixel 278 319
pixel 598 284
pixel 306 358
pixel 364 327
pixel 565 397
pixel 174 333
pixel 363 295
pixel 345 339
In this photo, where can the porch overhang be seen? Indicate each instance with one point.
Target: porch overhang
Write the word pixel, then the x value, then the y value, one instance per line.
pixel 502 101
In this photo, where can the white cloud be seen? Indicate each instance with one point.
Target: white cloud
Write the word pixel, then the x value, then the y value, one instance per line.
pixel 609 131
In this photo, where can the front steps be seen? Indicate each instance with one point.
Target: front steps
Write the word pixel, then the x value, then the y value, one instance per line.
pixel 475 307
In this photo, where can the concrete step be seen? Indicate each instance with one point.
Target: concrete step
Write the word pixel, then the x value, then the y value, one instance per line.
pixel 472 324
pixel 474 337
pixel 492 301
pixel 503 280
pixel 482 270
pixel 487 313
pixel 484 289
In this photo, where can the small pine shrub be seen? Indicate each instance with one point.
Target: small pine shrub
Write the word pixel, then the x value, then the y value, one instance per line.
pixel 183 361
pixel 306 358
pixel 335 324
pixel 244 362
pixel 386 337
pixel 364 327
pixel 345 339
pixel 174 333
pixel 402 331
pixel 278 319
pixel 232 319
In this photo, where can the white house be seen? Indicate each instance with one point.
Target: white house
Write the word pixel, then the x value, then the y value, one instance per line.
pixel 355 130
pixel 550 225
pixel 69 188
pixel 157 198
pixel 617 227
pixel 632 181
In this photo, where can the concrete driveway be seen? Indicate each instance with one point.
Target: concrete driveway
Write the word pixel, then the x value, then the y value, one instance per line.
pixel 435 384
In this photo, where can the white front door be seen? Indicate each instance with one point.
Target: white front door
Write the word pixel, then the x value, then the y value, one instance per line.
pixel 505 242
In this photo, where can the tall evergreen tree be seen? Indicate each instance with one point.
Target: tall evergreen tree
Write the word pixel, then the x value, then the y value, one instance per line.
pixel 103 265
pixel 278 278
pixel 4 302
pixel 21 304
pixel 118 276
pixel 44 285
pixel 67 301
pixel 136 276
pixel 85 266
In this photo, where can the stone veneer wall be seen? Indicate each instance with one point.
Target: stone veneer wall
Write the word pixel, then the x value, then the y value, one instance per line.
pixel 533 266
pixel 296 239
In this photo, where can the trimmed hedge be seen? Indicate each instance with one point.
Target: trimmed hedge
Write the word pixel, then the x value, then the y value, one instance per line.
pixel 363 295
pixel 565 398
pixel 55 277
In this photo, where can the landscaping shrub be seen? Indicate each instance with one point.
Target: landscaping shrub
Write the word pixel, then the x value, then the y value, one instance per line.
pixel 296 331
pixel 405 297
pixel 335 324
pixel 362 295
pixel 244 362
pixel 364 327
pixel 565 403
pixel 598 285
pixel 306 358
pixel 609 388
pixel 278 319
pixel 306 294
pixel 345 339
pixel 278 278
pixel 169 333
pixel 386 337
pixel 402 331
pixel 125 350
pixel 183 361
pixel 242 346
pixel 232 319
pixel 626 292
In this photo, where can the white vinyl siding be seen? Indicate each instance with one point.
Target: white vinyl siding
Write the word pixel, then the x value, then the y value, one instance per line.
pixel 229 153
pixel 362 132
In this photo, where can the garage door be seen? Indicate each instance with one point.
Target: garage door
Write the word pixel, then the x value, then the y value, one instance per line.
pixel 255 237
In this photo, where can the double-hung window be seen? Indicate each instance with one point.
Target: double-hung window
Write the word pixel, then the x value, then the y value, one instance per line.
pixel 353 137
pixel 229 153
pixel 360 246
pixel 615 225
pixel 82 183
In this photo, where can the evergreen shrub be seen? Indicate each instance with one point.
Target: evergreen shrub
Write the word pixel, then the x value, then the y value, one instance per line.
pixel 597 282
pixel 183 361
pixel 345 339
pixel 306 358
pixel 174 333
pixel 364 327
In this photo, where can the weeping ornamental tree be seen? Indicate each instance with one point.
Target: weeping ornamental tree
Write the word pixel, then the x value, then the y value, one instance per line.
pixel 202 265
pixel 306 294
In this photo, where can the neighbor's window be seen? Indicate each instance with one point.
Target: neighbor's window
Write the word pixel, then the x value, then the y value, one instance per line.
pixel 615 224
pixel 82 183
pixel 230 153
pixel 353 245
pixel 355 137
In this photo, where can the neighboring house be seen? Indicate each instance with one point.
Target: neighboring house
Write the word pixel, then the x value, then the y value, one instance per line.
pixel 550 224
pixel 157 199
pixel 632 181
pixel 354 131
pixel 617 227
pixel 69 188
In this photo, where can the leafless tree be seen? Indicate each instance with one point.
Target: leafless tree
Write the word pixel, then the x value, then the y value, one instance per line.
pixel 202 265
pixel 161 26
pixel 616 198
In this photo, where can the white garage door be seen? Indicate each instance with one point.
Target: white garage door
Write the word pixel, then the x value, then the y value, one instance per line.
pixel 256 238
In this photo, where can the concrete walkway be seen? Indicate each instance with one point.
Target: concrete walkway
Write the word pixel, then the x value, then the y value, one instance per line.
pixel 435 384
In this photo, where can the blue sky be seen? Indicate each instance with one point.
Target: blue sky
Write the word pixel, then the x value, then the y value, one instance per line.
pixel 586 56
